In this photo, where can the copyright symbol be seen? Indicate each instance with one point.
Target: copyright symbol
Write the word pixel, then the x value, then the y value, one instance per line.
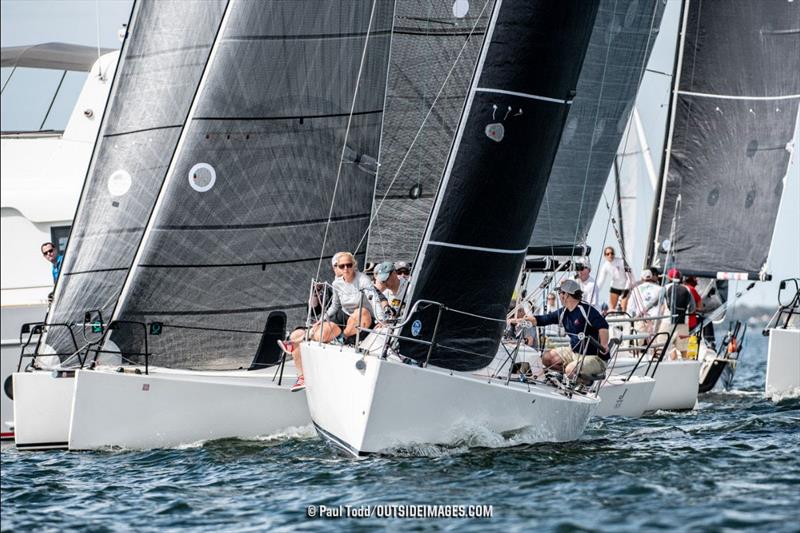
pixel 311 511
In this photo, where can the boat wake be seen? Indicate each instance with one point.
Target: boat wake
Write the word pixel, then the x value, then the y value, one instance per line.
pixel 787 395
pixel 469 436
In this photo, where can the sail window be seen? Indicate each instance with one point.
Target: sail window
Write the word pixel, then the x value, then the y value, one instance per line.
pixel 460 8
pixel 202 177
pixel 119 183
pixel 713 196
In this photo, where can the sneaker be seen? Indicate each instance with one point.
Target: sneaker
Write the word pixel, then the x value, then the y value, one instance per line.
pixel 300 384
pixel 286 346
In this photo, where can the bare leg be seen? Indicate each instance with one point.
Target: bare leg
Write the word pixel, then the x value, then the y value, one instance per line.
pixel 624 302
pixel 612 301
pixel 297 337
pixel 353 322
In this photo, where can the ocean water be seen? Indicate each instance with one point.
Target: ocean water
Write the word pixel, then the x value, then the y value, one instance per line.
pixel 734 463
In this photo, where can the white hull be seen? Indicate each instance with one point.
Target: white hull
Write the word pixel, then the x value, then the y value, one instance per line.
pixel 617 397
pixel 676 382
pixel 166 408
pixel 42 405
pixel 392 405
pixel 625 398
pixel 783 363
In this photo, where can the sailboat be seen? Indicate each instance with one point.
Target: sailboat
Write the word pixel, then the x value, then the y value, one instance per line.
pixel 783 355
pixel 368 401
pixel 265 142
pixel 42 170
pixel 734 109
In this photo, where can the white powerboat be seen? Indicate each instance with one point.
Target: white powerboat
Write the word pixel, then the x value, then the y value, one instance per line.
pixel 43 172
pixel 783 355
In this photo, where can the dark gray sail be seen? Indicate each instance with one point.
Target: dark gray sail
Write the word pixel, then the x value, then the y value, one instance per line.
pixel 435 47
pixel 289 112
pixel 612 71
pixel 161 64
pixel 495 179
pixel 734 115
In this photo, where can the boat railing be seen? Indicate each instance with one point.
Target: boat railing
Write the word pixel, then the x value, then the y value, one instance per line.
pixel 34 331
pixel 787 312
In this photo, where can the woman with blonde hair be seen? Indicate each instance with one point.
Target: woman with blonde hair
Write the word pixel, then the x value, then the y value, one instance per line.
pixel 350 309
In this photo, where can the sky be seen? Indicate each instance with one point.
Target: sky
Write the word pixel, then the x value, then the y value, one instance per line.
pixel 91 21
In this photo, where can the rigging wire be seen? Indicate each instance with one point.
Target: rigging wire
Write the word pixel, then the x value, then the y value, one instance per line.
pixel 422 125
pixel 344 143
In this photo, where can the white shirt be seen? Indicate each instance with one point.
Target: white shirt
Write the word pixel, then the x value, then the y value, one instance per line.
pixel 347 296
pixel 589 289
pixel 614 269
pixel 396 299
pixel 647 295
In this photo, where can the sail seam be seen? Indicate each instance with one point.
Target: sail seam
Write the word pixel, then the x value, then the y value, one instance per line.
pixel 225 265
pixel 736 97
pixel 282 224
pixel 478 248
pixel 217 312
pixel 295 117
pixel 309 36
pixel 143 130
pixel 523 95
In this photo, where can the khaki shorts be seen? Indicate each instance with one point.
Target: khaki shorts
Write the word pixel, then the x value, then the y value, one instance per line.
pixel 592 364
pixel 681 338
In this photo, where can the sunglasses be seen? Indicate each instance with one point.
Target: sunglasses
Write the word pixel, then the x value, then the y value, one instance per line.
pixel 609 253
pixel 50 251
pixel 344 266
pixel 403 271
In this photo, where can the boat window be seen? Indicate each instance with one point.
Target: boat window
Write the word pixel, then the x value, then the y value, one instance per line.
pixel 202 177
pixel 460 8
pixel 59 235
pixel 119 182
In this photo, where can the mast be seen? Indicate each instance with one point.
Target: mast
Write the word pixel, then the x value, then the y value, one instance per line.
pixel 652 245
pixel 478 232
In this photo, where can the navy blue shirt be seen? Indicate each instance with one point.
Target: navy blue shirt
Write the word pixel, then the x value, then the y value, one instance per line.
pixel 575 322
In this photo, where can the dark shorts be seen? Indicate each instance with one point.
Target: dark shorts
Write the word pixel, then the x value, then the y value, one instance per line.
pixel 340 319
pixel 622 292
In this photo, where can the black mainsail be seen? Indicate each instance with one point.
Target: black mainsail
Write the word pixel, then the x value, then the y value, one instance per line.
pixel 289 114
pixel 496 175
pixel 160 67
pixel 620 45
pixel 735 104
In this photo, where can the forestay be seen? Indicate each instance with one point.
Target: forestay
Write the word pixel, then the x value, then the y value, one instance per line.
pixel 734 117
pixel 161 64
pixel 435 47
pixel 495 178
pixel 612 71
pixel 289 112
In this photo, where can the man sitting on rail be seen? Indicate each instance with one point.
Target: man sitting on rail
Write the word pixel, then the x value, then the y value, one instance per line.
pixel 576 317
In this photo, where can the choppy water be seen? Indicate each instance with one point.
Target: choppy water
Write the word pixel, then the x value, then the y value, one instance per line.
pixel 732 464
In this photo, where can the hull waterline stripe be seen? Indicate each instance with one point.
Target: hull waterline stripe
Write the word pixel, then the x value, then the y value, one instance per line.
pixel 42 445
pixel 338 442
pixel 523 95
pixel 735 97
pixel 479 248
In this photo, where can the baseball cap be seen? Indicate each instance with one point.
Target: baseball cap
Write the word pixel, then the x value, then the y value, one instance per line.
pixel 647 274
pixel 402 265
pixel 674 273
pixel 369 268
pixel 571 287
pixel 383 271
